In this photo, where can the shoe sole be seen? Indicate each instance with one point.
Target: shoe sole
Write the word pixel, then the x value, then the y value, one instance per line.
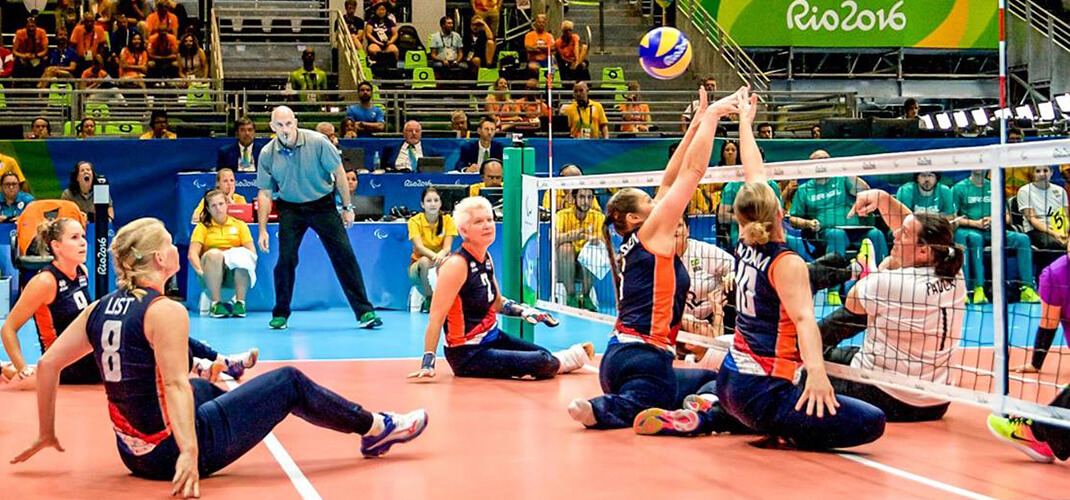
pixel 283 327
pixel 377 322
pixel 214 372
pixel 254 355
pixel 378 452
pixel 1037 457
pixel 695 403
pixel 655 422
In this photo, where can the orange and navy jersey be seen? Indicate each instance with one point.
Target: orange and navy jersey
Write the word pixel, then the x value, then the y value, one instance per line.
pixel 127 363
pixel 766 342
pixel 71 298
pixel 653 292
pixel 473 317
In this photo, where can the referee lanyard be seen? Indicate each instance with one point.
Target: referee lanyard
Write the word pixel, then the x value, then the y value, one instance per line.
pixel 585 124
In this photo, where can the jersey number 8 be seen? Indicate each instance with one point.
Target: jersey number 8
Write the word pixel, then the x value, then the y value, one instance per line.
pixel 110 362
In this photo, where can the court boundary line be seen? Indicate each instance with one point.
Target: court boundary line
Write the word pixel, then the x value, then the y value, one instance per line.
pixel 301 483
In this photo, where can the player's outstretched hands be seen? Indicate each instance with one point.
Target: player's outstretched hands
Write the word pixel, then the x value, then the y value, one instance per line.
pixel 817 396
pixel 41 443
pixel 725 106
pixel 747 104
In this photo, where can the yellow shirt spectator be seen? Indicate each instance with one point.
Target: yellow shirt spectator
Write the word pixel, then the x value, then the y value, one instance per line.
pixel 586 123
pixel 237 199
pixel 473 190
pixel 231 234
pixel 591 224
pixel 427 233
pixel 11 165
pixel 565 201
pixel 166 135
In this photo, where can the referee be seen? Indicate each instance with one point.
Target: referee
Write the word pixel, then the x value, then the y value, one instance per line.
pixel 298 165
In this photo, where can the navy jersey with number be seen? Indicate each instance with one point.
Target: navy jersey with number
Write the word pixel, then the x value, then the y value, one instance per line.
pixel 653 293
pixel 116 329
pixel 766 339
pixel 71 298
pixel 474 313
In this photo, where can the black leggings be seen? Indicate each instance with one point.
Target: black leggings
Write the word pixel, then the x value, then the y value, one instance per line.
pixel 894 409
pixel 1058 438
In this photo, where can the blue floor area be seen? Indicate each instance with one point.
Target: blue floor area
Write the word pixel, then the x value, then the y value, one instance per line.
pixel 333 334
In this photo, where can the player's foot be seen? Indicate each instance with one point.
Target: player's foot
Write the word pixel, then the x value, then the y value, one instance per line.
pixel 581 411
pixel 658 422
pixel 277 323
pixel 866 258
pixel 218 310
pixel 208 370
pixel 1029 295
pixel 589 349
pixel 399 428
pixel 1018 432
pixel 236 364
pixel 979 295
pixel 700 402
pixel 370 320
pixel 833 298
pixel 237 309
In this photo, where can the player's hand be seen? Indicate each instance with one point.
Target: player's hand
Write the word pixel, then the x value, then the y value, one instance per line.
pixel 441 257
pixel 1026 368
pixel 535 316
pixel 817 396
pixel 423 373
pixel 264 240
pixel 41 443
pixel 427 367
pixel 747 105
pixel 866 203
pixel 725 106
pixel 187 480
pixel 347 218
pixel 815 225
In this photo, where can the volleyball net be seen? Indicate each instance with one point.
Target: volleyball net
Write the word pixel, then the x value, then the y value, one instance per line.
pixel 926 332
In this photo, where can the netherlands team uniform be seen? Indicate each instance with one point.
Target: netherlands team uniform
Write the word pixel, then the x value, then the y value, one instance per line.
pixel 475 347
pixel 759 383
pixel 72 296
pixel 636 372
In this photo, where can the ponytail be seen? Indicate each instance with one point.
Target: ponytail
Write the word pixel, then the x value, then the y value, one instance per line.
pixel 49 231
pixel 754 233
pixel 756 208
pixel 936 233
pixel 612 257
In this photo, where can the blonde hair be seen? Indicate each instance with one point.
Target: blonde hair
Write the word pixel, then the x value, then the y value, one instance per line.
pixel 132 249
pixel 618 207
pixel 51 230
pixel 755 208
pixel 462 213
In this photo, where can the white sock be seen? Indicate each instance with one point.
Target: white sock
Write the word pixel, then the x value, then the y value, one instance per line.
pixel 581 411
pixel 378 425
pixel 571 359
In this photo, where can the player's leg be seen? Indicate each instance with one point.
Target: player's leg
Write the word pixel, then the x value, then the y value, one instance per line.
pixel 634 377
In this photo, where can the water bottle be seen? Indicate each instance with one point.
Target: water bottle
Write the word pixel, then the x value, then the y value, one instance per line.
pixel 375 161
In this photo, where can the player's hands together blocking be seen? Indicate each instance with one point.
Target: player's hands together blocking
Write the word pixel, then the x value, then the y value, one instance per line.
pixel 427 367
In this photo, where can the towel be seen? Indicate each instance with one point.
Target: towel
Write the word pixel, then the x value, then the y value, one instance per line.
pixel 241 258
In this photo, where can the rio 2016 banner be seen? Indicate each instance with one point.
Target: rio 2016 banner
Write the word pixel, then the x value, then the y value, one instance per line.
pixel 946 24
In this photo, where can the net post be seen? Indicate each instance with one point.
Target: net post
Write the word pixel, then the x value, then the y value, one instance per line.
pixel 999 295
pixel 101 201
pixel 517 162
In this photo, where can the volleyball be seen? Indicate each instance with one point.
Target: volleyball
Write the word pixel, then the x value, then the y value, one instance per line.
pixel 664 53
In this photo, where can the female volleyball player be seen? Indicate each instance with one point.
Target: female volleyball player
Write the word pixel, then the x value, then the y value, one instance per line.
pixel 59 292
pixel 636 372
pixel 168 426
pixel 467 301
pixel 776 334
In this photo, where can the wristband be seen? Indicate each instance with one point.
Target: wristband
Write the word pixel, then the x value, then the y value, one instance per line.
pixel 512 308
pixel 428 362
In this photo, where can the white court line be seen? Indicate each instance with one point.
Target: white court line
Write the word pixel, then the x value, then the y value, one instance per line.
pixel 301 483
pixel 932 483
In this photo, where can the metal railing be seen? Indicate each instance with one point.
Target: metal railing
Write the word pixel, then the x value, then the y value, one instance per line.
pixel 1041 20
pixel 217 51
pixel 350 67
pixel 723 44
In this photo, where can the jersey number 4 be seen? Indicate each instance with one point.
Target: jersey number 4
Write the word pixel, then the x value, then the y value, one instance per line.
pixel 110 337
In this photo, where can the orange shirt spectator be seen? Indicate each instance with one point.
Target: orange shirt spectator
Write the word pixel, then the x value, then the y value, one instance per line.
pixel 92 73
pixel 88 40
pixel 538 41
pixel 25 44
pixel 169 23
pixel 134 63
pixel 163 47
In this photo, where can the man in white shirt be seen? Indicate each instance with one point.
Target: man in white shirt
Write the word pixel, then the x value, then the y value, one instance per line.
pixel 710 84
pixel 411 150
pixel 1044 208
pixel 447 47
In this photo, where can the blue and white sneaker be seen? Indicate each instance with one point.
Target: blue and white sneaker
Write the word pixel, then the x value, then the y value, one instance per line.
pixel 399 428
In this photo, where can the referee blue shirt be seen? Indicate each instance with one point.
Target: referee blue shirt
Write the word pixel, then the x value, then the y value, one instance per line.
pixel 300 174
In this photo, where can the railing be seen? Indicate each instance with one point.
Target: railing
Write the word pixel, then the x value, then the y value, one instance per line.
pixel 1041 20
pixel 350 67
pixel 728 49
pixel 217 52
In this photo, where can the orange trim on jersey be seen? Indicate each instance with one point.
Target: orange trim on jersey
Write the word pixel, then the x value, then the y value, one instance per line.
pixel 123 425
pixel 787 358
pixel 46 328
pixel 664 292
pixel 455 323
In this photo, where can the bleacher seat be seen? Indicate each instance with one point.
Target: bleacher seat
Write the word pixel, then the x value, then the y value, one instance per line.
pixel 415 59
pixel 123 128
pixel 542 78
pixel 198 95
pixel 60 95
pixel 97 110
pixel 423 78
pixel 487 76
pixel 3 97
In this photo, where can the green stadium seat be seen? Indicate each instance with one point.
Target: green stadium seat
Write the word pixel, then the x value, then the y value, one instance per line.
pixel 123 128
pixel 3 97
pixel 487 77
pixel 415 59
pixel 423 78
pixel 97 110
pixel 198 95
pixel 542 78
pixel 613 77
pixel 60 95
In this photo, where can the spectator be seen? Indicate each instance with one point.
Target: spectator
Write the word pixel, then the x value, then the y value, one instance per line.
pixel 192 63
pixel 765 131
pixel 565 198
pixel 1015 178
pixel 500 107
pixel 710 84
pixel 479 45
pixel 309 77
pixel 30 49
pixel 134 59
pixel 95 75
pixel 216 234
pixel 910 109
pixel 87 128
pixel 576 226
pixel 347 128
pixel 120 34
pixel 362 204
pixel 571 54
pixel 821 208
pixel 925 195
pixel 474 153
pixel 447 48
pixel 636 114
pixel 411 150
pixel 62 60
pixel 391 9
pixel 381 36
pixel 163 19
pixel 134 10
pixel 431 233
pixel 586 118
pixel 10 164
pixel 538 43
pixel 327 130
pixel 14 199
pixel 67 17
pixel 40 128
pixel 242 154
pixel 102 11
pixel 489 11
pixel 80 190
pixel 354 23
pixel 534 112
pixel 7 60
pixel 815 132
pixel 369 118
pixel 87 38
pixel 225 183
pixel 163 55
pixel 1044 207
pixel 491 172
pixel 459 124
pixel 158 122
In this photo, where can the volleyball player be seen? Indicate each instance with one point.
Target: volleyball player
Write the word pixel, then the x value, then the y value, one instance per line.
pixel 636 372
pixel 56 295
pixel 467 301
pixel 168 426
